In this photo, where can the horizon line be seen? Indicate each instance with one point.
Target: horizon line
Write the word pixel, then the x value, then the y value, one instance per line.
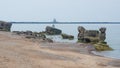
pixel 65 22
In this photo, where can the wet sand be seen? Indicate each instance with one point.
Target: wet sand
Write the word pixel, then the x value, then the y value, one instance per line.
pixel 19 52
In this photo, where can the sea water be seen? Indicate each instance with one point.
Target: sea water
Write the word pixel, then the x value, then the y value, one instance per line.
pixel 112 34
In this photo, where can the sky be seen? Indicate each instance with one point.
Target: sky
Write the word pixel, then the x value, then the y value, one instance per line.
pixel 62 10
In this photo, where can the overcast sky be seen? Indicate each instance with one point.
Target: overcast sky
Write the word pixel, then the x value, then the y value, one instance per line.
pixel 62 10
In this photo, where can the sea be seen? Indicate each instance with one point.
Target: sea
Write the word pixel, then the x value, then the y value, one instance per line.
pixel 112 33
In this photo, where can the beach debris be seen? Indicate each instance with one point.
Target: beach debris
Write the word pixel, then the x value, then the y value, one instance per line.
pixel 5 26
pixel 66 36
pixel 53 31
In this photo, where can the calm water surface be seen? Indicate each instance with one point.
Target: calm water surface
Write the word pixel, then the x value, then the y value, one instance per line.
pixel 112 33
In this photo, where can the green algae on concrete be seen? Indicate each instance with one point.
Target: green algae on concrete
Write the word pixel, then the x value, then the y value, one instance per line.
pixel 102 47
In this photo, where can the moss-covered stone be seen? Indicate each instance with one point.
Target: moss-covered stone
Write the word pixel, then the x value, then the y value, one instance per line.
pixel 102 47
pixel 65 36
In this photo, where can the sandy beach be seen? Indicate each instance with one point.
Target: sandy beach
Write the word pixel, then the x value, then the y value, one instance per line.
pixel 19 52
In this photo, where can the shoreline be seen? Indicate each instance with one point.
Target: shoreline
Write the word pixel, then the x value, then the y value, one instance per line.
pixel 105 56
pixel 17 51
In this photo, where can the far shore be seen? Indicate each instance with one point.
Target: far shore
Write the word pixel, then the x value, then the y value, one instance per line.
pixel 19 52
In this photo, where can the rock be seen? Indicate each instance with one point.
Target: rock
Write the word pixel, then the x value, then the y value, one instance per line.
pixel 16 32
pixel 48 40
pixel 96 37
pixel 103 42
pixel 102 47
pixel 35 35
pixel 81 31
pixel 5 26
pixel 102 34
pixel 39 35
pixel 43 32
pixel 91 33
pixel 89 40
pixel 53 31
pixel 42 36
pixel 91 36
pixel 29 36
pixel 92 40
pixel 28 33
pixel 65 36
